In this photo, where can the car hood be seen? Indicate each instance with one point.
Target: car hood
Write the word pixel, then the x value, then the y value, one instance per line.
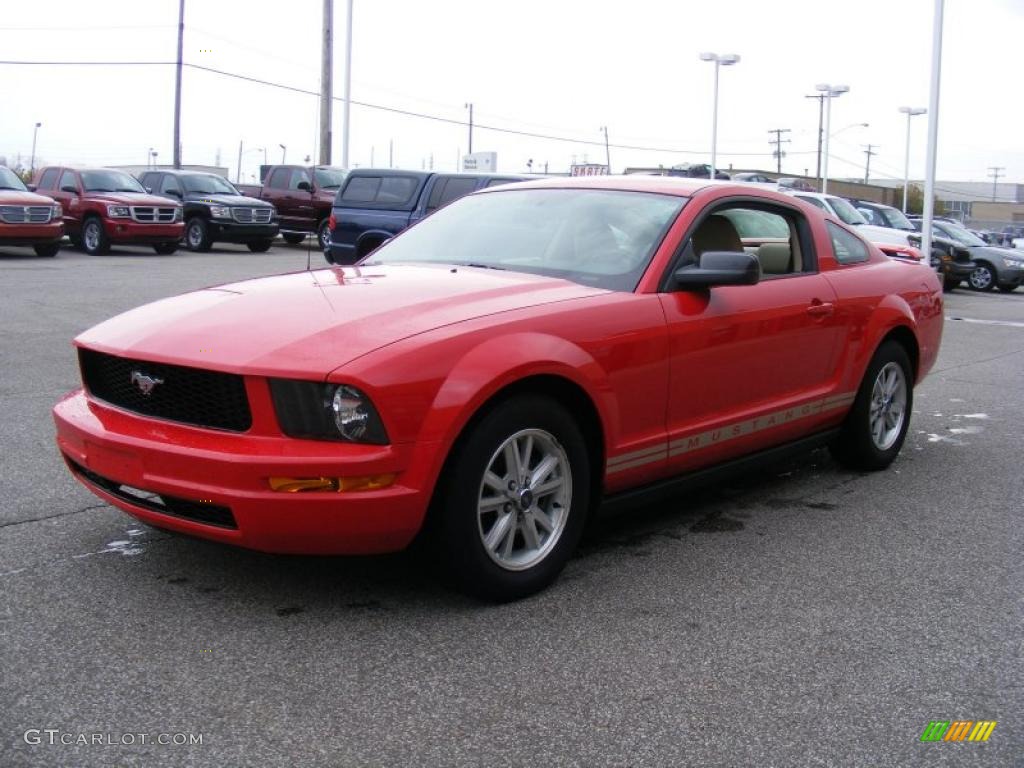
pixel 130 198
pixel 17 197
pixel 306 324
pixel 195 197
pixel 877 234
pixel 993 252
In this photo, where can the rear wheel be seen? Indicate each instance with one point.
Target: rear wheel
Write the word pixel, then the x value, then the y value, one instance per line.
pixel 197 235
pixel 260 246
pixel 982 278
pixel 949 283
pixel 514 499
pixel 46 249
pixel 165 249
pixel 323 234
pixel 293 237
pixel 1007 288
pixel 94 238
pixel 876 426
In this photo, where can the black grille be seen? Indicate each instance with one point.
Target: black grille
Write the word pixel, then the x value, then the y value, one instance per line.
pixel 197 511
pixel 178 393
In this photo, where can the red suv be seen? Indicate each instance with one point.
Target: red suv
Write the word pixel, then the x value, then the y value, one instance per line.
pixel 28 219
pixel 104 207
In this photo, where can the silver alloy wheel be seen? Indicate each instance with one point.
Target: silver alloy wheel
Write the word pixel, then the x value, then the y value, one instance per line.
pixel 888 406
pixel 91 236
pixel 195 234
pixel 524 499
pixel 981 278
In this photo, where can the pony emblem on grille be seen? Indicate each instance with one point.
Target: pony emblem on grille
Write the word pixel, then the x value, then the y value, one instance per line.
pixel 145 383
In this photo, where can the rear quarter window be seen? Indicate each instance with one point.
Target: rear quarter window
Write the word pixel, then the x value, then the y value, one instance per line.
pixel 383 191
pixel 847 247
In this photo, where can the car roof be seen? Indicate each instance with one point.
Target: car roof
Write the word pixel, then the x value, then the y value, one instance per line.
pixel 667 185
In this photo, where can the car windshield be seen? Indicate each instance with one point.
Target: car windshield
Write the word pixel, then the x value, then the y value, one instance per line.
pixel 599 238
pixel 208 184
pixel 961 235
pixel 9 180
pixel 846 212
pixel 329 178
pixel 895 219
pixel 109 181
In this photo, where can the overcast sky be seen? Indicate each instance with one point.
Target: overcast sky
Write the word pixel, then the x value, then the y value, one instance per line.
pixel 557 67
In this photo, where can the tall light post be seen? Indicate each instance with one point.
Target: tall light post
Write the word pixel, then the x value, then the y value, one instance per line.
pixel 607 151
pixel 32 162
pixel 720 60
pixel 149 158
pixel 933 129
pixel 284 151
pixel 345 114
pixel 831 92
pixel 909 112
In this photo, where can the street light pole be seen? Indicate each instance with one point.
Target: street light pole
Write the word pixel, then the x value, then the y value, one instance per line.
pixel 177 85
pixel 933 130
pixel 909 112
pixel 284 151
pixel 830 92
pixel 469 106
pixel 607 151
pixel 821 118
pixel 345 121
pixel 720 60
pixel 32 162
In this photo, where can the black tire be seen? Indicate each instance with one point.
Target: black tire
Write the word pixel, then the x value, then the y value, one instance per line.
pixel 260 246
pixel 856 447
pixel 329 257
pixel 46 249
pixel 293 237
pixel 949 283
pixel 165 249
pixel 983 278
pixel 323 234
pixel 458 525
pixel 94 237
pixel 367 247
pixel 197 235
pixel 1007 288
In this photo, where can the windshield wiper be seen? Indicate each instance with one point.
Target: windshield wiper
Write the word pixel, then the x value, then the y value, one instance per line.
pixel 94 189
pixel 478 265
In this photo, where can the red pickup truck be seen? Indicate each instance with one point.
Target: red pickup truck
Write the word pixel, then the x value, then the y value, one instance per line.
pixel 27 218
pixel 303 196
pixel 104 207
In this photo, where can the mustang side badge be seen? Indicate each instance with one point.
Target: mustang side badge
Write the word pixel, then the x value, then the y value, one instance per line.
pixel 145 383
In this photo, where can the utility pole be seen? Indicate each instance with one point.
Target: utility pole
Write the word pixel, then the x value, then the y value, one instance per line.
pixel 177 85
pixel 326 87
pixel 607 152
pixel 469 106
pixel 996 172
pixel 777 142
pixel 391 153
pixel 238 175
pixel 869 151
pixel 821 118
pixel 348 89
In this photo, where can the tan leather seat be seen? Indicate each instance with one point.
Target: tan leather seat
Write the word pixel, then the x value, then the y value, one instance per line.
pixel 775 258
pixel 716 233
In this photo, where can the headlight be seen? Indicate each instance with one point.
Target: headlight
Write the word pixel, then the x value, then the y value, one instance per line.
pixel 57 211
pixel 1013 262
pixel 220 211
pixel 179 213
pixel 118 212
pixel 326 412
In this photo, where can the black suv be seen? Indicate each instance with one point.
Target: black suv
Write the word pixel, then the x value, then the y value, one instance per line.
pixel 215 211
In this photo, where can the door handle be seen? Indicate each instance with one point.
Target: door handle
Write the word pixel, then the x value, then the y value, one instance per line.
pixel 820 309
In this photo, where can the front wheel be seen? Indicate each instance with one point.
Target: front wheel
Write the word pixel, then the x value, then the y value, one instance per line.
pixel 514 499
pixel 197 235
pixel 293 237
pixel 323 234
pixel 876 426
pixel 260 246
pixel 949 283
pixel 46 249
pixel 94 238
pixel 982 278
pixel 165 249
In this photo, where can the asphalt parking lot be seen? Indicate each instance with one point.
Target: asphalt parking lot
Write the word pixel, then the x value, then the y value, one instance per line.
pixel 804 616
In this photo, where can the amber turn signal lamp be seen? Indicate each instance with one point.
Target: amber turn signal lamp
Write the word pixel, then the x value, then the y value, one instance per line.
pixel 339 484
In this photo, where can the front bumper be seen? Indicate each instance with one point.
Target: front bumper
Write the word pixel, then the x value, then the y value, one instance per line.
pixel 200 473
pixel 125 231
pixel 1009 277
pixel 31 234
pixel 231 232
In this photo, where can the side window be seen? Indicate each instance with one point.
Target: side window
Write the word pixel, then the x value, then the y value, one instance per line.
pixel 815 201
pixel 847 247
pixel 396 189
pixel 499 182
pixel 449 189
pixel 279 178
pixel 361 189
pixel 170 185
pixel 871 216
pixel 299 175
pixel 67 179
pixel 148 180
pixel 49 178
pixel 770 233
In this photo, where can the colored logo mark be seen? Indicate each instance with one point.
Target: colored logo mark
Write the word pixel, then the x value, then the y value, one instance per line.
pixel 958 730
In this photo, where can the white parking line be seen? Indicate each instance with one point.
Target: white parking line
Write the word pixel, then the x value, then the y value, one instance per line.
pixel 1010 323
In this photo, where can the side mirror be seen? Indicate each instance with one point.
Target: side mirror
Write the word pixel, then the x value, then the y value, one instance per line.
pixel 305 186
pixel 31 187
pixel 68 188
pixel 174 193
pixel 149 190
pixel 719 268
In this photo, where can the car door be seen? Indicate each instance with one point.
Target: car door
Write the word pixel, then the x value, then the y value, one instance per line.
pixel 170 188
pixel 68 193
pixel 750 365
pixel 275 191
pixel 299 201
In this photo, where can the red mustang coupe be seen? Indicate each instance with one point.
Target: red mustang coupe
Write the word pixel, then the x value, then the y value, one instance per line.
pixel 492 373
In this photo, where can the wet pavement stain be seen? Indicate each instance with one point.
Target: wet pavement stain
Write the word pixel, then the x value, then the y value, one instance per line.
pixel 716 522
pixel 289 610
